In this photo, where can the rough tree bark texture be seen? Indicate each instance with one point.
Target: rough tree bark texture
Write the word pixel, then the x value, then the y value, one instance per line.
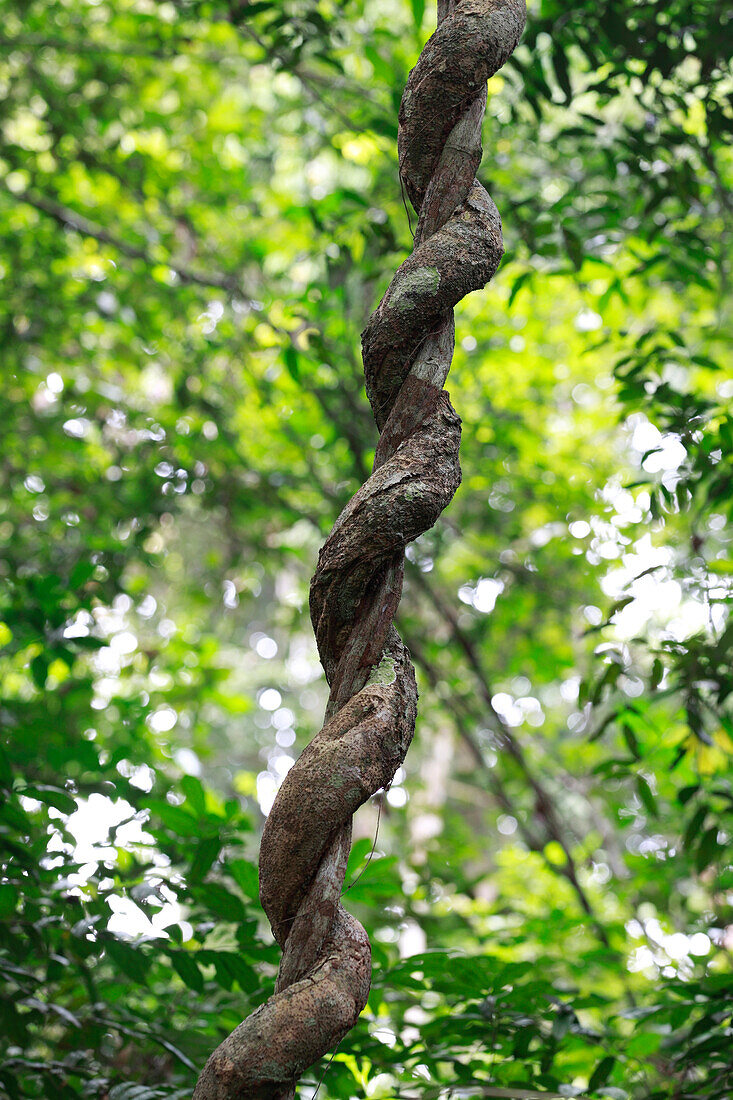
pixel 324 975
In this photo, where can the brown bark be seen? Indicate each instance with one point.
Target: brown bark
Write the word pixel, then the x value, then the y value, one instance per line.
pixel 324 975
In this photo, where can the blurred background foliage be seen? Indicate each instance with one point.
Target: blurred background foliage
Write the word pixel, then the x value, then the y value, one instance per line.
pixel 199 207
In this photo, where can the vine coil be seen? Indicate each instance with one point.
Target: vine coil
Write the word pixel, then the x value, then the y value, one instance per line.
pixel 324 976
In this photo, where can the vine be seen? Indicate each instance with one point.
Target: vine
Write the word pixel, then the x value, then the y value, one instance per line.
pixel 323 981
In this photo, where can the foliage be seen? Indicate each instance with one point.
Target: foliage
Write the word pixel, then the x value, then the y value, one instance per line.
pixel 198 209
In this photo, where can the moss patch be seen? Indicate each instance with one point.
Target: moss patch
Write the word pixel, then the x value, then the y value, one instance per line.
pixel 384 673
pixel 413 286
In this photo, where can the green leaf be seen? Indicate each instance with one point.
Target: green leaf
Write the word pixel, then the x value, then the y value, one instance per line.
pixel 574 246
pixel 6 772
pixel 418 11
pixel 220 901
pixel 53 796
pixel 39 671
pixel 246 876
pixel 694 825
pixel 708 848
pixel 722 568
pixel 601 1073
pixel 130 960
pixel 562 73
pixel 290 356
pixel 175 818
pixel 194 792
pixel 81 573
pixel 646 795
pixel 133 1092
pixel 631 740
pixel 230 967
pixel 381 67
pixel 9 896
pixel 657 674
pixel 258 6
pixel 187 969
pixel 517 285
pixel 207 850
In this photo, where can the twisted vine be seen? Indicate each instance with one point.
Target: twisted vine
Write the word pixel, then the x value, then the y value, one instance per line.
pixel 407 346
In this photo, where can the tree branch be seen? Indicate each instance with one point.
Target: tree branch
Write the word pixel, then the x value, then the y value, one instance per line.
pixel 70 219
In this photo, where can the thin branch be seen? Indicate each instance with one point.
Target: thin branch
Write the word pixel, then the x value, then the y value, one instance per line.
pixel 119 49
pixel 70 219
pixel 308 79
pixel 544 802
pixel 568 869
pixel 433 676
